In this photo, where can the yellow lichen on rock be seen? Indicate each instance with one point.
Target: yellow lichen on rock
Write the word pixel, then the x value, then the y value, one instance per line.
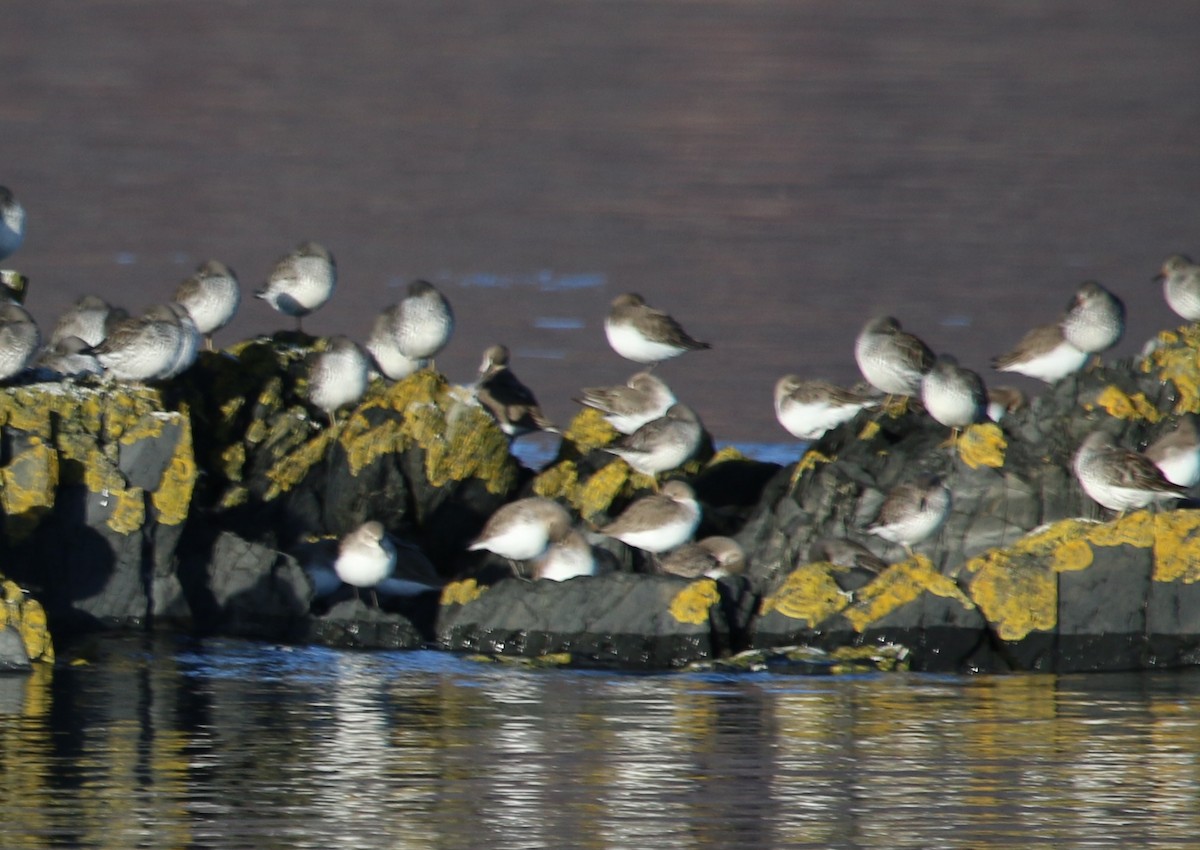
pixel 692 604
pixel 591 497
pixel 27 616
pixel 982 445
pixel 897 586
pixel 809 593
pixel 28 485
pixel 461 592
pixel 173 497
pixel 290 469
pixel 589 430
pixel 1134 529
pixel 1177 546
pixel 1176 360
pixel 1122 406
pixel 869 430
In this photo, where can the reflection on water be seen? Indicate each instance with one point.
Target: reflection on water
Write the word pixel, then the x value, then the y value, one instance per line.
pixel 229 744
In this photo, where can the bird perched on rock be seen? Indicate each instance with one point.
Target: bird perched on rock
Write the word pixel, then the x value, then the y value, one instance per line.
pixel 141 348
pixel 91 318
pixel 19 340
pixel 662 444
pixel 12 222
pixel 714 557
pixel 891 359
pixel 510 402
pixel 212 296
pixel 408 335
pixel 568 555
pixel 188 345
pixel 337 375
pixel 1120 479
pixel 366 556
pixel 912 512
pixel 643 334
pixel 1176 452
pixel 807 409
pixel 1043 353
pixel 1095 319
pixel 659 521
pixel 953 395
pixel 1004 401
pixel 522 530
pixel 301 282
pixel 1180 279
pixel 69 357
pixel 628 407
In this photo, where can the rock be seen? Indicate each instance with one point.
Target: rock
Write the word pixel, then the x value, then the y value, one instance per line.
pixel 24 617
pixel 352 624
pixel 13 656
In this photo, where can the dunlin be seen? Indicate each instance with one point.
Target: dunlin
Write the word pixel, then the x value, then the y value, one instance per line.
pixel 1180 279
pixel 643 398
pixel 19 340
pixel 845 553
pixel 662 444
pixel 14 286
pixel 212 296
pixel 1120 479
pixel 140 348
pixel 808 408
pixel 366 556
pixel 69 357
pixel 424 323
pixel 1043 353
pixel 912 512
pixel 90 318
pixel 521 530
pixel 12 222
pixel 301 282
pixel 1095 319
pixel 338 375
pixel 643 334
pixel 714 557
pixel 384 349
pixel 1004 401
pixel 188 337
pixel 954 396
pixel 658 521
pixel 510 402
pixel 1176 453
pixel 566 557
pixel 892 360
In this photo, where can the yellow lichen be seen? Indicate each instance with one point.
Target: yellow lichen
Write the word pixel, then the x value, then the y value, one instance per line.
pixel 691 604
pixel 1175 360
pixel 896 587
pixel 982 445
pixel 1177 546
pixel 809 593
pixel 869 430
pixel 365 444
pixel 1071 556
pixel 811 459
pixel 35 633
pixel 589 430
pixel 461 592
pixel 27 488
pixel 128 510
pixel 726 454
pixel 233 461
pixel 173 497
pixel 595 495
pixel 292 468
pixel 1134 529
pixel 1122 406
pixel 557 482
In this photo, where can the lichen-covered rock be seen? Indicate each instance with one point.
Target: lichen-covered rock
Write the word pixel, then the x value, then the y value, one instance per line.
pixel 25 618
pixel 617 619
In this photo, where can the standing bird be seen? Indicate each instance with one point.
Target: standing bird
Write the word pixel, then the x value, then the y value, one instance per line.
pixel 662 444
pixel 1176 453
pixel 642 398
pixel 912 512
pixel 19 340
pixel 522 530
pixel 1180 279
pixel 1095 319
pixel 892 360
pixel 366 556
pixel 338 375
pixel 1043 353
pixel 953 396
pixel 1120 479
pixel 212 296
pixel 659 521
pixel 713 557
pixel 510 402
pixel 188 336
pixel 640 333
pixel 12 222
pixel 91 318
pixel 807 409
pixel 141 348
pixel 301 282
pixel 407 335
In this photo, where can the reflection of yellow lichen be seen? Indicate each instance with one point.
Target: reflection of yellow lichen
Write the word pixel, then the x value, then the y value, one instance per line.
pixel 1177 546
pixel 896 587
pixel 461 592
pixel 1122 406
pixel 809 593
pixel 691 604
pixel 982 445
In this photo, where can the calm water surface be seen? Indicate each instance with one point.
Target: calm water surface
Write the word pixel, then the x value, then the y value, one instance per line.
pixel 231 744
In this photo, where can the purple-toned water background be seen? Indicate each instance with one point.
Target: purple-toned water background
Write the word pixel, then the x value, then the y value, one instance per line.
pixel 772 173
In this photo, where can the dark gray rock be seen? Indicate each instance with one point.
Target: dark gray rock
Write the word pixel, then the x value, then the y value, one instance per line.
pixel 13 656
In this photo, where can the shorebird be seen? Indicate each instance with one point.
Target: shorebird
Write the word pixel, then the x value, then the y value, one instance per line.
pixel 522 530
pixel 891 359
pixel 1180 279
pixel 566 557
pixel 912 512
pixel 69 357
pixel 1120 479
pixel 337 376
pixel 659 521
pixel 643 334
pixel 641 399
pixel 14 286
pixel 1043 353
pixel 953 396
pixel 301 282
pixel 90 319
pixel 713 557
pixel 807 409
pixel 1095 319
pixel 141 348
pixel 662 444
pixel 187 336
pixel 845 553
pixel 211 296
pixel 510 402
pixel 19 340
pixel 12 222
pixel 366 556
pixel 1176 452
pixel 1003 401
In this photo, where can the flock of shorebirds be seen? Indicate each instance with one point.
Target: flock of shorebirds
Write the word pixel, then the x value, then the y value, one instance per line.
pixel 658 433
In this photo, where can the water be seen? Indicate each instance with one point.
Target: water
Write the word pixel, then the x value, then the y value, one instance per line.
pixel 222 744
